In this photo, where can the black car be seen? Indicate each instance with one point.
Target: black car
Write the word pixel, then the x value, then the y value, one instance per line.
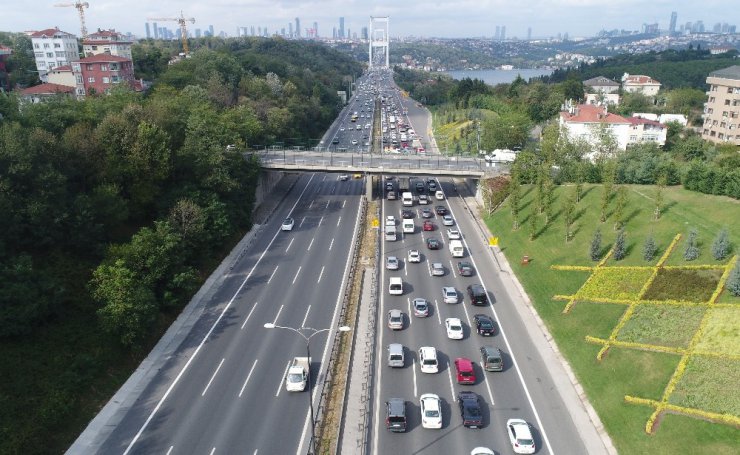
pixel 335 141
pixel 407 214
pixel 433 244
pixel 477 294
pixel 465 268
pixel 441 210
pixel 395 415
pixel 484 325
pixel 420 187
pixel 470 411
pixel 432 185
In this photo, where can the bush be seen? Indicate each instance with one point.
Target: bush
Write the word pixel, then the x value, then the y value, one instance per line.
pixel 692 251
pixel 733 281
pixel 649 249
pixel 595 248
pixel 721 245
pixel 620 247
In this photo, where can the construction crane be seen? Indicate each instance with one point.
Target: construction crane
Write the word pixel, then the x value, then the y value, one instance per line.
pixel 81 10
pixel 183 28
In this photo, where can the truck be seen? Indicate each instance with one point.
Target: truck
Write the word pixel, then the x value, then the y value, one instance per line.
pixel 298 374
pixel 403 184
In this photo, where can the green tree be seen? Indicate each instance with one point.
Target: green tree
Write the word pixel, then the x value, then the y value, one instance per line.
pixel 649 248
pixel 514 201
pixel 505 131
pixel 569 209
pixel 659 189
pixel 721 245
pixel 620 245
pixel 733 281
pixel 573 88
pixel 594 250
pixel 620 206
pixel 533 225
pixel 692 249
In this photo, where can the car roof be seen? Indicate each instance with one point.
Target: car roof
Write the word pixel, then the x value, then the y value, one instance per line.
pixel 453 320
pixel 467 395
pixel 427 350
pixel 395 312
pixel 521 428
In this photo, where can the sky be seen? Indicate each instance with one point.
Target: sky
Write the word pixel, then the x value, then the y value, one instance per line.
pixel 424 18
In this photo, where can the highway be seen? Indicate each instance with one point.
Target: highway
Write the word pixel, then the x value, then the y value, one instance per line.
pixel 223 392
pixel 523 390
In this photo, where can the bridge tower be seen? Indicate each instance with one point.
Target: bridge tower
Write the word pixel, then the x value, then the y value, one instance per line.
pixel 379 40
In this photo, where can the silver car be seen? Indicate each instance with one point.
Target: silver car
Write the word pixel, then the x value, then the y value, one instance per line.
pixel 447 220
pixel 449 294
pixel 391 263
pixel 395 320
pixel 438 269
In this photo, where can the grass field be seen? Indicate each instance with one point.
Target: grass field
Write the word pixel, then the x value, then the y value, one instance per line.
pixel 623 371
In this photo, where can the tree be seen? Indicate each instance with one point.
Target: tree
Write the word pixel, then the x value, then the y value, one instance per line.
pixel 569 208
pixel 649 248
pixel 608 176
pixel 549 199
pixel 494 192
pixel 580 174
pixel 533 225
pixel 721 245
pixel 659 197
pixel 514 201
pixel 573 88
pixel 594 250
pixel 733 281
pixel 620 247
pixel 692 250
pixel 621 204
pixel 505 131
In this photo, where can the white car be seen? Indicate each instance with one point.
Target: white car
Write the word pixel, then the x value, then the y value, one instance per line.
pixel 447 220
pixel 414 256
pixel 354 141
pixel 520 436
pixel 449 294
pixel 439 195
pixel 453 234
pixel 390 220
pixel 341 128
pixel 482 451
pixel 454 328
pixel 431 411
pixel 391 263
pixel 423 199
pixel 287 224
pixel 344 177
pixel 428 362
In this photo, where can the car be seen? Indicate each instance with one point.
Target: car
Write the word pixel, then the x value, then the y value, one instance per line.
pixel 484 325
pixel 431 411
pixel 439 195
pixel 465 268
pixel 449 294
pixel 477 294
pixel 395 415
pixel 428 225
pixel 433 244
pixel 432 185
pixel 358 127
pixel 428 362
pixel 288 224
pixel 356 176
pixel 438 269
pixel 354 141
pixel 423 199
pixel 482 451
pixel 470 409
pixel 390 220
pixel 395 319
pixel 335 140
pixel 454 328
pixel 389 186
pixel 447 220
pixel 414 256
pixel 420 187
pixel 520 436
pixel 421 307
pixel 344 177
pixel 453 234
pixel 391 263
pixel 440 210
pixel 341 128
pixel 426 213
pixel 407 214
pixel 464 371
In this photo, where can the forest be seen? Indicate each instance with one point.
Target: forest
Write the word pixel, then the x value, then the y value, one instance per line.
pixel 116 208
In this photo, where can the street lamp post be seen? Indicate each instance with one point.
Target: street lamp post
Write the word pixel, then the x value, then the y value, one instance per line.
pixel 310 332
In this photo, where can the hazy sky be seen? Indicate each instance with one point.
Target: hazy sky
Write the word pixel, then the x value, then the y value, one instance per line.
pixel 457 18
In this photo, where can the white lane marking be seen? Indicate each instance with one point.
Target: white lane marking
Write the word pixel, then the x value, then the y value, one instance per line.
pixel 251 370
pixel 511 351
pixel 249 315
pixel 296 274
pixel 302 220
pixel 310 205
pixel 291 243
pixel 309 245
pixel 488 384
pixel 285 374
pixel 429 268
pixel 331 244
pixel 332 333
pixel 327 203
pixel 321 220
pixel 273 274
pixel 436 308
pixel 408 299
pixel 210 331
pixel 169 451
pixel 213 377
pixel 406 267
pixel 213 450
pixel 255 451
pixel 413 370
pixel 339 221
pixel 344 203
pixel 467 316
pixel 303 324
pixel 278 314
pixel 452 385
pixel 320 274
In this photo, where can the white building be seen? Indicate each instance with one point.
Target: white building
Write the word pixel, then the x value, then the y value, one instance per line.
pixel 53 48
pixel 645 130
pixel 107 42
pixel 62 75
pixel 602 98
pixel 640 84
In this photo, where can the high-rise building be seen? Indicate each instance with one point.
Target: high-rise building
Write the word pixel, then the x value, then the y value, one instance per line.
pixel 251 30
pixel 297 28
pixel 364 33
pixel 210 29
pixel 334 33
pixel 148 32
pixel 699 27
pixel 156 30
pixel 315 29
pixel 198 33
pixel 722 110
pixel 672 26
pixel 341 27
pixel 290 30
pixel 529 33
pixel 497 36
pixel 503 32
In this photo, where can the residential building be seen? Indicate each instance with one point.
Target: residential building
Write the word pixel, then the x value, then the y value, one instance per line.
pixel 99 73
pixel 722 109
pixel 602 98
pixel 640 84
pixel 43 92
pixel 601 84
pixel 4 79
pixel 62 75
pixel 106 42
pixel 646 130
pixel 52 48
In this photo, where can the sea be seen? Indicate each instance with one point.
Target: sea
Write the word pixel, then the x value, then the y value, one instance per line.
pixel 494 77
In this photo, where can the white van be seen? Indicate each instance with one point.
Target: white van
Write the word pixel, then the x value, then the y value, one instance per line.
pixel 456 248
pixel 396 286
pixel 408 226
pixel 407 199
pixel 390 233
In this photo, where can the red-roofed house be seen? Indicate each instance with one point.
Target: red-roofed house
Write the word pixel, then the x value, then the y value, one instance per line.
pixel 53 48
pixel 640 84
pixel 106 42
pixel 99 73
pixel 646 130
pixel 43 92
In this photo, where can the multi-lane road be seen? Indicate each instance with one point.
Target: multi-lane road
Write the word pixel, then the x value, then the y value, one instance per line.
pixel 523 390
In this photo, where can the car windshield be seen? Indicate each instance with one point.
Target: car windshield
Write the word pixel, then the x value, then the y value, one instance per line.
pixel 395 319
pixel 455 328
pixel 430 362
pixel 474 411
pixel 485 323
pixel 525 442
pixel 295 377
pixel 431 413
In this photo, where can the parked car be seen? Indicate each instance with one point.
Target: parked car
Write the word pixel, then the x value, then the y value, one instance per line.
pixel 470 409
pixel 484 325
pixel 433 244
pixel 465 268
pixel 520 436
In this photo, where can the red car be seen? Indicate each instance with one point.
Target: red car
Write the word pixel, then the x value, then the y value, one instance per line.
pixel 428 225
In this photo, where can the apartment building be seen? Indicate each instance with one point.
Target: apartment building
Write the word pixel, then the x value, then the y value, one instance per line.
pixel 99 73
pixel 106 42
pixel 53 48
pixel 722 109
